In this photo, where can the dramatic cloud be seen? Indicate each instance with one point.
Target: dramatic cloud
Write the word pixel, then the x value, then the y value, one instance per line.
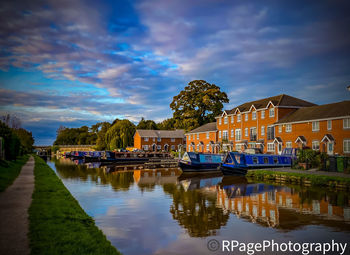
pixel 75 62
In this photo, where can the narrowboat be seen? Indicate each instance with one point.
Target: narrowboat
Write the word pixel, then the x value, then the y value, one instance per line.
pixel 239 163
pixel 93 156
pixel 200 162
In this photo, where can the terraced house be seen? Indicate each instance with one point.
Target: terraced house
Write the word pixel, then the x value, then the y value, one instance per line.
pixel 275 123
pixel 159 140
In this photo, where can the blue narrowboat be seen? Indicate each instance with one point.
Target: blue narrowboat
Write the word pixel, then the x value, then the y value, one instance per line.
pixel 200 162
pixel 238 163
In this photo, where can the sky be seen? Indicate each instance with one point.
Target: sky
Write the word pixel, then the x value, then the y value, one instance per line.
pixel 75 63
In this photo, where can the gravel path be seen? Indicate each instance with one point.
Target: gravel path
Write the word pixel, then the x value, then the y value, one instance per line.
pixel 14 204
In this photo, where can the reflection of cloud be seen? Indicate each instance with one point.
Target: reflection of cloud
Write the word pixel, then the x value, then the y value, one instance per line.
pixel 112 210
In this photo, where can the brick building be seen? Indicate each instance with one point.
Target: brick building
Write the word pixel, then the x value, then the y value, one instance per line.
pixel 159 140
pixel 275 123
pixel 203 138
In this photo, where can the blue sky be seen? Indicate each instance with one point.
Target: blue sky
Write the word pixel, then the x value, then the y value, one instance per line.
pixel 76 63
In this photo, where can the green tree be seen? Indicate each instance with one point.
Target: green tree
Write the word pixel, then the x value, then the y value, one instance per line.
pixel 101 143
pixel 26 139
pixel 199 103
pixel 167 124
pixel 11 142
pixel 146 124
pixel 120 134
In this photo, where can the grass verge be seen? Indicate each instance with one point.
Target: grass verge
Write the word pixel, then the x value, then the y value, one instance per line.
pixel 58 225
pixel 313 179
pixel 9 170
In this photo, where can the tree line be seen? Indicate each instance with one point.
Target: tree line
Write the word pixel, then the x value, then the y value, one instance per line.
pixel 16 140
pixel 197 104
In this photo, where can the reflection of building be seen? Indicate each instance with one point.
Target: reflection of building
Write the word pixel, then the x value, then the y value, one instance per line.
pixel 159 140
pixel 266 207
pixel 157 176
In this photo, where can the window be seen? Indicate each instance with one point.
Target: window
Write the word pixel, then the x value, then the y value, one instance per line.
pixel 238 117
pixel 219 121
pixel 255 160
pixel 266 160
pixel 289 144
pixel 146 139
pixel 279 128
pixel 225 120
pixel 246 117
pixel 289 128
pixel 272 112
pixel 238 134
pixel 271 147
pixel 232 132
pixel 315 126
pixel 275 160
pixel 154 139
pixel 172 139
pixel 346 146
pixel 270 133
pixel 329 125
pixel 208 147
pixel 198 136
pixel 189 137
pixel 224 135
pixel 254 115
pixel 172 147
pixel 207 135
pixel 232 119
pixel 253 134
pixel 145 147
pixel 219 134
pixel 262 130
pixel 159 139
pixel 189 147
pixel 315 145
pixel 159 147
pixel 246 132
pixel 238 147
pixel 263 114
pixel 346 123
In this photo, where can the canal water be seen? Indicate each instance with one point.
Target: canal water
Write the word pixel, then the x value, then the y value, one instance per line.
pixel 163 211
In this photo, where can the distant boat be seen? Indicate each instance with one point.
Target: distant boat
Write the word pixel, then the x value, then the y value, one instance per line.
pixel 200 162
pixel 238 163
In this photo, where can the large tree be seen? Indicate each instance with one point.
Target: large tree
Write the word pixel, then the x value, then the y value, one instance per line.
pixel 120 134
pixel 197 104
pixel 146 124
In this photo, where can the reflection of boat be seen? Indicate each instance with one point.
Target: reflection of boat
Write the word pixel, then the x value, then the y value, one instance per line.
pixel 199 182
pixel 93 164
pixel 237 190
pixel 197 162
pixel 239 163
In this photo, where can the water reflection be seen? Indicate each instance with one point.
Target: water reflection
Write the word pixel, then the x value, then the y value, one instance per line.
pixel 177 208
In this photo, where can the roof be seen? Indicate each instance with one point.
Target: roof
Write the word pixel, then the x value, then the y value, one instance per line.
pixel 179 133
pixel 328 137
pixel 280 100
pixel 204 128
pixel 325 111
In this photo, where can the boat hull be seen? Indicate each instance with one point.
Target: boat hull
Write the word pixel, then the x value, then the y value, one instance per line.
pixel 192 167
pixel 226 170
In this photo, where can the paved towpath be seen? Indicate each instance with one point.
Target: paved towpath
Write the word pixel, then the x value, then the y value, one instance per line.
pixel 14 204
pixel 311 172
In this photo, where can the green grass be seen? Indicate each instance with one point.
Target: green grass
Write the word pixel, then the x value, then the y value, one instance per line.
pixel 58 225
pixel 9 170
pixel 317 180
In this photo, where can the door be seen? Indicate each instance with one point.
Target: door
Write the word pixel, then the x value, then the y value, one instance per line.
pixel 330 148
pixel 279 148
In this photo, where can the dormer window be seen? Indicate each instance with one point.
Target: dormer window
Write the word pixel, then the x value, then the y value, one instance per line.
pixel 239 117
pixel 272 112
pixel 246 117
pixel 225 120
pixel 219 121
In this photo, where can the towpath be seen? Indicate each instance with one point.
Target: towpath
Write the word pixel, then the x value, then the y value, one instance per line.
pixel 14 204
pixel 311 172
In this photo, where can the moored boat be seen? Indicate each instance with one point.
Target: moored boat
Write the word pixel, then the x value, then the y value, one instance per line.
pixel 239 163
pixel 200 162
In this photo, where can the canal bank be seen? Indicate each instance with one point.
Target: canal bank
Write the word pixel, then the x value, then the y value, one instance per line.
pixel 332 180
pixel 58 225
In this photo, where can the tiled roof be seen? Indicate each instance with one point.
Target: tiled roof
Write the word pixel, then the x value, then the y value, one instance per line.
pixel 280 100
pixel 318 112
pixel 179 133
pixel 204 128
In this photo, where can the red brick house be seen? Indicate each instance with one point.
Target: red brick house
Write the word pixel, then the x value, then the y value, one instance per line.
pixel 159 140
